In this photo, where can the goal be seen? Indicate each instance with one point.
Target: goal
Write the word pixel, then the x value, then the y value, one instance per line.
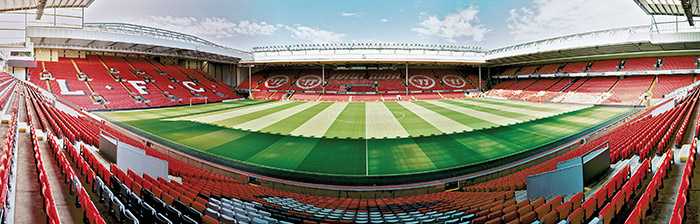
pixel 197 100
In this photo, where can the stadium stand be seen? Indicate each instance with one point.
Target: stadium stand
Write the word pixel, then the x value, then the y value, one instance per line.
pixel 679 63
pixel 630 89
pixel 667 83
pixel 639 64
pixel 90 84
pixel 574 67
pixel 597 85
pixel 203 196
pixel 605 66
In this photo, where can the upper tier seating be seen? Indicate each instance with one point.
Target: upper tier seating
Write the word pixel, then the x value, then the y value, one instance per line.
pixel 639 64
pixel 575 67
pixel 679 63
pixel 597 84
pixel 548 69
pixel 605 66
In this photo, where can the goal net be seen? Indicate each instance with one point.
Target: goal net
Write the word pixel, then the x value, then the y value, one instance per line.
pixel 198 100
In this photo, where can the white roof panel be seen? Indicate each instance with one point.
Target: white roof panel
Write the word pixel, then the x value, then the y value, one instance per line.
pixel 13 5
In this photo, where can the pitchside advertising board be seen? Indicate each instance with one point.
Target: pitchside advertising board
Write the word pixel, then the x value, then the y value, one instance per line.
pixel 140 86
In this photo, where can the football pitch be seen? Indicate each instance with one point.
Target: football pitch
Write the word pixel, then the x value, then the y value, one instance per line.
pixel 364 139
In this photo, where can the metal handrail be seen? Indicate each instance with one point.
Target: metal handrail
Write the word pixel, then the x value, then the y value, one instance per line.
pixel 132 29
pixel 368 46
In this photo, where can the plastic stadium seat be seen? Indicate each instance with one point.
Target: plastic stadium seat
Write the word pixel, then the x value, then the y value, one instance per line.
pixel 589 206
pixel 564 210
pixel 510 209
pixel 576 200
pixel 495 214
pixel 524 210
pixel 492 221
pixel 600 198
pixel 528 218
pixel 543 210
pixel 523 203
pixel 618 201
pixel 556 201
pixel 539 202
pixel 480 220
pixel 515 221
pixel 576 216
pixel 607 213
pixel 550 218
pixel 513 215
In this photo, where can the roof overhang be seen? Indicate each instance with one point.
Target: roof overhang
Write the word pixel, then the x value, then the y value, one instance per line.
pixel 687 8
pixel 40 5
pixel 128 43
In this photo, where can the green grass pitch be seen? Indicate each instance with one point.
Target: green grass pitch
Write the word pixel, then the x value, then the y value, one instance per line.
pixel 366 138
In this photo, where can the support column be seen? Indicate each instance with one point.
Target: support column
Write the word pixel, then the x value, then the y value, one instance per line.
pixel 323 79
pixel 479 78
pixel 250 86
pixel 407 82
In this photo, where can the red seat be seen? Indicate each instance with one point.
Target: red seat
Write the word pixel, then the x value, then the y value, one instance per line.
pixel 556 201
pixel 607 213
pixel 550 218
pixel 510 208
pixel 589 207
pixel 600 198
pixel 523 203
pixel 543 210
pixel 524 210
pixel 528 218
pixel 495 221
pixel 576 200
pixel 619 201
pixel 539 202
pixel 564 210
pixel 513 215
pixel 480 220
pixel 576 216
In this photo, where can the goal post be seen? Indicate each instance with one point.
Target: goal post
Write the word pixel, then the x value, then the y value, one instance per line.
pixel 198 100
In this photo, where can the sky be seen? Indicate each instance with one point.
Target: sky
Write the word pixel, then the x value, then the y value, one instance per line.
pixel 489 24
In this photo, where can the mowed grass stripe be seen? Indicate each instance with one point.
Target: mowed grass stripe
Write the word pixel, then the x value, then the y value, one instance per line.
pixel 319 124
pixel 513 108
pixel 381 122
pixel 350 123
pixel 444 151
pixel 246 146
pixel 337 157
pixel 287 153
pixel 233 121
pixel 534 106
pixel 396 156
pixel 267 120
pixel 214 117
pixel 176 111
pixel 293 122
pixel 439 121
pixel 206 108
pixel 413 124
pixel 502 113
pixel 476 120
pixel 543 107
